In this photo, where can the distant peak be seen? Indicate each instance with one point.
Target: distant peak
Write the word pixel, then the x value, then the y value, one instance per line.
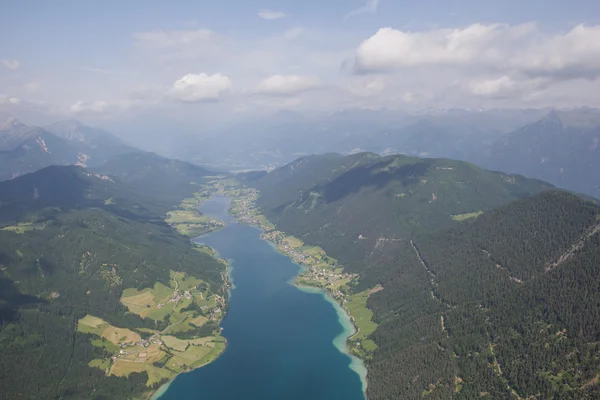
pixel 10 123
pixel 553 117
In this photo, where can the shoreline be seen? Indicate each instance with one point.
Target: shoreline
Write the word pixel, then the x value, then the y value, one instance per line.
pixel 349 328
pixel 228 284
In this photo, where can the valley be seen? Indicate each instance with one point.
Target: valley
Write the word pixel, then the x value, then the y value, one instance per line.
pixel 319 270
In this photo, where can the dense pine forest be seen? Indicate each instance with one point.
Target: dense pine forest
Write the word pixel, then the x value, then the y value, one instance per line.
pixel 71 241
pixel 490 281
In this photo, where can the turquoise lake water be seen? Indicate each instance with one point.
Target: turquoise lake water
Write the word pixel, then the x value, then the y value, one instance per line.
pixel 280 338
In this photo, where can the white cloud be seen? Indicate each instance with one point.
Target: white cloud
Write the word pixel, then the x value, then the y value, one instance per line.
pixel 574 54
pixel 164 39
pixel 200 87
pixel 280 85
pixel 520 49
pixel 10 63
pixel 392 49
pixel 94 107
pixel 270 14
pixel 369 8
pixel 506 86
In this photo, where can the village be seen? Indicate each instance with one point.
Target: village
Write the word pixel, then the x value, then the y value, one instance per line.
pixel 320 270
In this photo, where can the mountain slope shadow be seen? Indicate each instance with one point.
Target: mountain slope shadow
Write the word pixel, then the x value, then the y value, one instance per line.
pixel 377 175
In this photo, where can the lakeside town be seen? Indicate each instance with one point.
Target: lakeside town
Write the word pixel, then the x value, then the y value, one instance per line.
pixel 319 270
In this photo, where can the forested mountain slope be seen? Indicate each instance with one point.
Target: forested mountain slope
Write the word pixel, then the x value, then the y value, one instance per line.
pixel 72 244
pixel 499 304
pixel 352 205
pixel 165 181
pixel 505 305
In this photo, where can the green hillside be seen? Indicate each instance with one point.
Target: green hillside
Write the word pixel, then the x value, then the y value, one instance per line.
pixel 82 269
pixel 477 294
pixel 165 181
pixel 353 205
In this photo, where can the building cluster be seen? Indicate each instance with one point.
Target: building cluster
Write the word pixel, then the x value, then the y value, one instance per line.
pixel 176 297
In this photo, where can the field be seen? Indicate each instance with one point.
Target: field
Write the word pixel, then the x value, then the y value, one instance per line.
pixel 293 242
pixel 176 344
pixel 23 227
pixel 145 302
pixel 155 374
pixel 97 326
pixel 119 335
pixel 99 363
pixel 190 222
pixel 199 320
pixel 109 346
pixel 357 306
pixel 192 353
pixel 183 282
pixel 464 217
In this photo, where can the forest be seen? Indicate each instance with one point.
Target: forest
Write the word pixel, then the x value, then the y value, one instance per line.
pixel 70 242
pixel 502 303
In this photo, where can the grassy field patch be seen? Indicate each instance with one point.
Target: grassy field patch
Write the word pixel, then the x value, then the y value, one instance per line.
pixel 118 335
pixel 22 227
pixel 464 217
pixel 125 368
pixel 357 306
pixel 174 343
pixel 101 363
pixel 91 324
pixel 198 321
pixel 109 346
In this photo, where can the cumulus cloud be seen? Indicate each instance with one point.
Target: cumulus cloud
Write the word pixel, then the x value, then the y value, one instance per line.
pixel 10 63
pixel 94 107
pixel 521 49
pixel 279 85
pixel 193 88
pixel 393 49
pixel 369 8
pixel 564 56
pixel 164 39
pixel 270 14
pixel 505 86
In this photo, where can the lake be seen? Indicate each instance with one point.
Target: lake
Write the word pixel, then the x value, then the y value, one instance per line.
pixel 282 342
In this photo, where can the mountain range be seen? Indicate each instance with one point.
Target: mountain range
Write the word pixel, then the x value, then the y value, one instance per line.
pixel 559 146
pixel 25 149
pixel 482 284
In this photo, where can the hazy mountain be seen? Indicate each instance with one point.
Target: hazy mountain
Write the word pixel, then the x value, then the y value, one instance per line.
pixel 26 149
pixel 485 290
pixel 277 140
pixel 164 180
pixel 562 148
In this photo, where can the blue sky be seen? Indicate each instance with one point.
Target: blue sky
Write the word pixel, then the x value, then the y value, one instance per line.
pixel 211 59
